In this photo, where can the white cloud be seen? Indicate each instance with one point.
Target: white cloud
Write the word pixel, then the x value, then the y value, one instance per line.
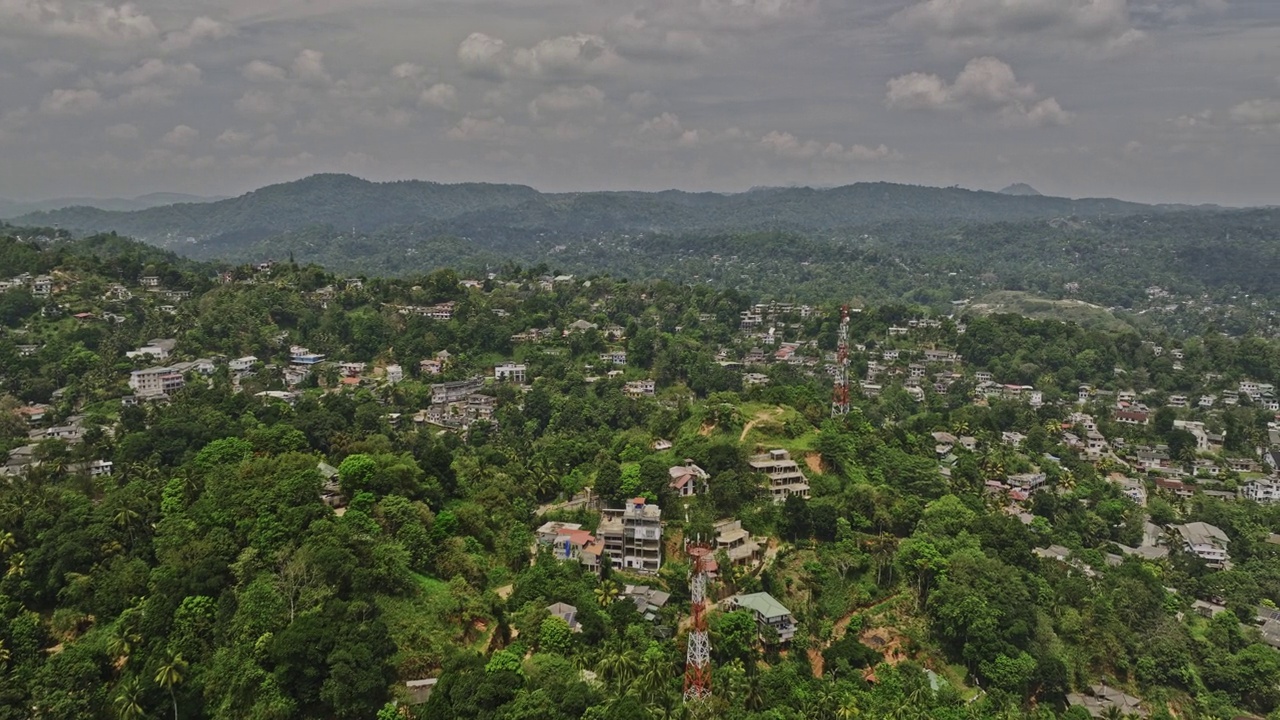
pixel 637 37
pixel 561 57
pixel 477 129
pixel 180 136
pixel 123 132
pixel 201 29
pixel 986 85
pixel 442 96
pixel 1258 113
pixel 407 71
pixel 663 127
pixel 308 67
pixel 259 71
pixel 70 102
pixel 232 138
pixel 640 100
pixel 93 21
pixel 978 23
pixel 483 56
pixel 565 100
pixel 152 71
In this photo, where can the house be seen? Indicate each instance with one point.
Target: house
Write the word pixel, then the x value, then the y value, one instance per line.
pixel 754 379
pixel 582 326
pixel 156 381
pixel 1268 620
pixel 299 355
pixel 1133 489
pixel 771 616
pixel 632 536
pixel 394 374
pixel 566 540
pixel 150 281
pixel 662 445
pixel 785 477
pixel 330 488
pixel 614 357
pixel 430 367
pixel 1028 481
pixel 640 388
pixel 1100 699
pixel 351 369
pixel 419 691
pixel 648 601
pixel 688 480
pixel 157 348
pixel 1261 491
pixel 1176 487
pixel 243 364
pixel 442 393
pixel 1130 417
pixel 1206 542
pixel 567 613
pixel 509 372
pixel 736 543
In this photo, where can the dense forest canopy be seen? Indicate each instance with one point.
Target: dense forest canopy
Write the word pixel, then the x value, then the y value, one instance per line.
pixel 299 526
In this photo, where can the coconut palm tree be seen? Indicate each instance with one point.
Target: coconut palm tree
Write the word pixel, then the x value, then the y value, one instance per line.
pixel 654 675
pixel 170 675
pixel 17 566
pixel 128 700
pixel 848 708
pixel 606 593
pixel 121 643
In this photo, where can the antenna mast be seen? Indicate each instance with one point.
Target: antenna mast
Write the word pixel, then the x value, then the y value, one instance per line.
pixel 697 669
pixel 840 396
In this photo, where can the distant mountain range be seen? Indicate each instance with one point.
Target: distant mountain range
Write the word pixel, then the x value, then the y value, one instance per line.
pixel 346 202
pixel 14 208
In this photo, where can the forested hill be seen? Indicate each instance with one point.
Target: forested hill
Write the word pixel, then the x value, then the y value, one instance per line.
pixel 348 202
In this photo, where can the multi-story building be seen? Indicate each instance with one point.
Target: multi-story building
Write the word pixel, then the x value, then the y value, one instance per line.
pixel 785 477
pixel 1261 491
pixel 1206 542
pixel 771 615
pixel 455 391
pixel 632 536
pixel 640 388
pixel 510 372
pixel 156 381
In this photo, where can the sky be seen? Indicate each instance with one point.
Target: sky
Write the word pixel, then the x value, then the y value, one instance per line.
pixel 1149 100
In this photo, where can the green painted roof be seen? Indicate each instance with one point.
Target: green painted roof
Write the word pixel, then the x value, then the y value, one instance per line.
pixel 762 604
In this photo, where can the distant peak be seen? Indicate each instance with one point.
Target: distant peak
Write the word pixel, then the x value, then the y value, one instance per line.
pixel 1020 189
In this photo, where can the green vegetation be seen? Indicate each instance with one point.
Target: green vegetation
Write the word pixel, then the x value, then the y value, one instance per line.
pixel 217 570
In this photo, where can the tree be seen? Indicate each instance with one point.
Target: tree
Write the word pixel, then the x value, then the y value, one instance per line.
pixel 169 675
pixel 128 700
pixel 606 592
pixel 555 635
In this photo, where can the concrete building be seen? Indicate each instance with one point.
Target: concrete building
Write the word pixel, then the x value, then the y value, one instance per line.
pixel 510 372
pixel 632 536
pixel 242 364
pixel 736 543
pixel 770 614
pixel 1261 491
pixel 455 391
pixel 688 479
pixel 157 348
pixel 155 381
pixel 1206 542
pixel 785 477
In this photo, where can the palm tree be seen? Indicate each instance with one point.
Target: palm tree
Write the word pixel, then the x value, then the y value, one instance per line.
pixel 606 593
pixel 620 667
pixel 169 676
pixel 1112 712
pixel 4 655
pixel 655 672
pixel 121 643
pixel 848 708
pixel 7 542
pixel 128 700
pixel 17 565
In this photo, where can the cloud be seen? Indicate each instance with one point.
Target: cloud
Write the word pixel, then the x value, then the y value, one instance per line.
pixel 664 127
pixel 308 67
pixel 123 132
pixel 483 56
pixel 1258 113
pixel 976 23
pixel 152 71
pixel 232 138
pixel 640 100
pixel 407 71
pixel 562 57
pixel 788 146
pixel 489 130
pixel 986 85
pixel 639 38
pixel 200 29
pixel 180 136
pixel 93 21
pixel 70 102
pixel 565 100
pixel 259 71
pixel 441 96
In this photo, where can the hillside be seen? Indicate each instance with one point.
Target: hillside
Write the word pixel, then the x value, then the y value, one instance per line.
pixel 14 208
pixel 348 202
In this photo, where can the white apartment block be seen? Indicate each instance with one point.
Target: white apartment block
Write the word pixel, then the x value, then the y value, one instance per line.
pixel 785 477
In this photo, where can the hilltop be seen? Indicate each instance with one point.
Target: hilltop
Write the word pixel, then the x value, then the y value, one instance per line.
pixel 344 201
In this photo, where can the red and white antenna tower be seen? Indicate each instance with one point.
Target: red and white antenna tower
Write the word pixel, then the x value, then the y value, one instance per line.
pixel 840 396
pixel 697 668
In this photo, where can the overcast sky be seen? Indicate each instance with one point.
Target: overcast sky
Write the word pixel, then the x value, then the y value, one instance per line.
pixel 1157 100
